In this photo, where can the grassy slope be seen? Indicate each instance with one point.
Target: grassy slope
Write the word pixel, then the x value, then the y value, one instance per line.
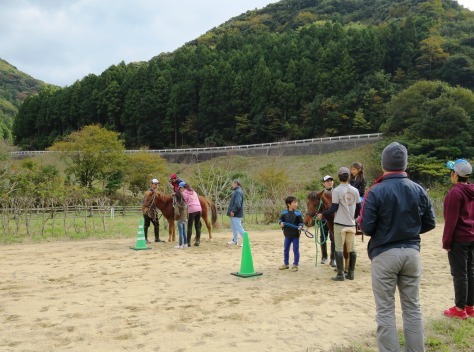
pixel 15 86
pixel 302 170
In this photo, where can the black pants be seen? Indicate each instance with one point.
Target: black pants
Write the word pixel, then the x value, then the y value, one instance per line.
pixel 196 219
pixel 461 261
pixel 146 225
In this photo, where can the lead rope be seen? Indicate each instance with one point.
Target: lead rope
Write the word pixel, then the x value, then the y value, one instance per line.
pixel 319 226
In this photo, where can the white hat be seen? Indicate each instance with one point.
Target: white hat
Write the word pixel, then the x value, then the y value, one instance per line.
pixel 461 167
pixel 327 177
pixel 155 181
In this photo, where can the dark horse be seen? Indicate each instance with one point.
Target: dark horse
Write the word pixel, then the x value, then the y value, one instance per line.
pixel 317 202
pixel 164 202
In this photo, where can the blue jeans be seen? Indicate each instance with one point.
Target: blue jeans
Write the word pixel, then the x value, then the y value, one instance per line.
pixel 398 267
pixel 296 250
pixel 182 231
pixel 236 225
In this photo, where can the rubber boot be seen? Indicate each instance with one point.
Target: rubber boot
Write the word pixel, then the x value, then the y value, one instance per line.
pixel 346 262
pixel 145 231
pixel 352 263
pixel 333 256
pixel 197 240
pixel 188 239
pixel 157 234
pixel 340 267
pixel 324 253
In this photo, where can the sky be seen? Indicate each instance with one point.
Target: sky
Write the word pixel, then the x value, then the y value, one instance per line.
pixel 61 41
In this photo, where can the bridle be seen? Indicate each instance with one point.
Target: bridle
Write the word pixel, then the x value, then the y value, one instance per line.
pixel 152 199
pixel 318 225
pixel 313 215
pixel 151 203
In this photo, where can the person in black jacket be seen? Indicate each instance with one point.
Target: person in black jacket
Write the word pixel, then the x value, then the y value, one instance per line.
pixel 357 178
pixel 395 212
pixel 328 184
pixel 291 221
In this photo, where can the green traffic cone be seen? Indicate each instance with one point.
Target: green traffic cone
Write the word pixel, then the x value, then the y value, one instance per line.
pixel 141 242
pixel 246 263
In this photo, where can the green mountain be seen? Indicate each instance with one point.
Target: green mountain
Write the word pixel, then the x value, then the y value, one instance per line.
pixel 295 69
pixel 15 86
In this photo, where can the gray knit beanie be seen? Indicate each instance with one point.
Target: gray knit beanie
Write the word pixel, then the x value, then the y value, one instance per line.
pixel 394 157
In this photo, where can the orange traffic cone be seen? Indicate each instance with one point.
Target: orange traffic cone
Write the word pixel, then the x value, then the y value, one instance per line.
pixel 141 242
pixel 246 263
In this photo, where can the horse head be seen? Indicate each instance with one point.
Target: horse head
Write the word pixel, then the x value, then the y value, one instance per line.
pixel 316 202
pixel 148 199
pixel 164 202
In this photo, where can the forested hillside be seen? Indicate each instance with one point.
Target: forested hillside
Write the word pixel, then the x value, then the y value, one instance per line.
pixel 15 86
pixel 295 69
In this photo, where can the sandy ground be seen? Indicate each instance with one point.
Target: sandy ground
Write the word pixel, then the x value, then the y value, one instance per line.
pixel 103 296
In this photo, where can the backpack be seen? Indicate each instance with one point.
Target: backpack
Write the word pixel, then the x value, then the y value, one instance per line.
pixel 180 212
pixel 176 211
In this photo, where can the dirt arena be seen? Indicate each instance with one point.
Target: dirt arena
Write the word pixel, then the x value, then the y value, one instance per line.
pixel 104 296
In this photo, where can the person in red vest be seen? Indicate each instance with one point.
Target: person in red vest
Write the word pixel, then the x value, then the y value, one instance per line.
pixel 175 181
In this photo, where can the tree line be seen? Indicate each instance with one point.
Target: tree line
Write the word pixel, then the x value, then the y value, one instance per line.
pixel 295 70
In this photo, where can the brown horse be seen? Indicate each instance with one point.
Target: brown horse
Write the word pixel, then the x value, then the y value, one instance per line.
pixel 316 202
pixel 164 202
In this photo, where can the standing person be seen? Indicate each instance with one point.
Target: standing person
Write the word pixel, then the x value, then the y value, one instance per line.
pixel 181 217
pixel 175 181
pixel 194 212
pixel 458 238
pixel 396 211
pixel 236 212
pixel 357 178
pixel 150 214
pixel 291 222
pixel 328 184
pixel 346 205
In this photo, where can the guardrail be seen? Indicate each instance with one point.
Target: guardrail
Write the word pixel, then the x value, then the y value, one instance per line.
pixel 234 147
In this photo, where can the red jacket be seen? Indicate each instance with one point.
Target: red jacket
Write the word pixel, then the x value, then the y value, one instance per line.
pixel 175 184
pixel 459 215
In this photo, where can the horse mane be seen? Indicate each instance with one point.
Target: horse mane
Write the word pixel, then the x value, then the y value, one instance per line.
pixel 163 196
pixel 314 196
pixel 327 195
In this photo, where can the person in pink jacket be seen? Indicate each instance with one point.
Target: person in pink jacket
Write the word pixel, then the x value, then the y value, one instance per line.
pixel 194 210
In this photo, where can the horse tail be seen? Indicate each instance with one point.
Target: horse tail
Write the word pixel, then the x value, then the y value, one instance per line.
pixel 214 214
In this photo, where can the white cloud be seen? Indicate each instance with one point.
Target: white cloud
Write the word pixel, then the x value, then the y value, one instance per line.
pixel 61 41
pixel 469 4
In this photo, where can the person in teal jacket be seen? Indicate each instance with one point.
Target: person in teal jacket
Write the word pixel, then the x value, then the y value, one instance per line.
pixel 236 212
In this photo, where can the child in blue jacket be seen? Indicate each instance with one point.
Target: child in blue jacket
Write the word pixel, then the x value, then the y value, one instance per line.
pixel 291 221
